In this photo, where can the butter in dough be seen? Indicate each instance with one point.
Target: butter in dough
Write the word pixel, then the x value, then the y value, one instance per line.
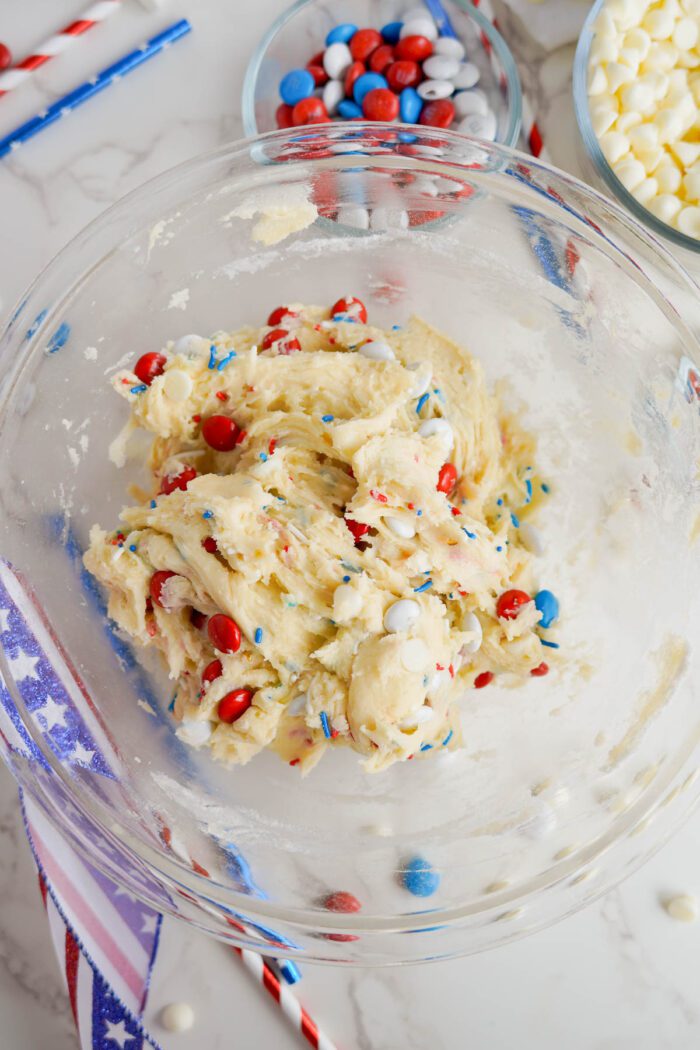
pixel 328 434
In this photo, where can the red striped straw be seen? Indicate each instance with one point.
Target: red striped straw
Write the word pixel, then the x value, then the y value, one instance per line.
pixel 291 1007
pixel 55 45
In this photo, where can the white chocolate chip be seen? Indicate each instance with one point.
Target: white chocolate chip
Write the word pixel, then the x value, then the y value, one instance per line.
pixel 347 603
pixel 643 138
pixel 614 146
pixel 441 428
pixel 683 908
pixel 658 23
pixel 415 655
pixel 688 221
pixel 662 57
pixel 604 25
pixel 646 190
pixel 177 1017
pixel 687 153
pixel 637 96
pixel 639 40
pixel 194 731
pixel 597 81
pixel 377 350
pixel 401 616
pixel 177 384
pixel 401 527
pixel 298 706
pixel 192 346
pixel 650 159
pixel 605 49
pixel 418 717
pixel 668 177
pixel 437 680
pixel 665 207
pixel 630 172
pixel 626 121
pixel 424 376
pixel 472 625
pixel 602 118
pixel 617 75
pixel 531 538
pixel 685 33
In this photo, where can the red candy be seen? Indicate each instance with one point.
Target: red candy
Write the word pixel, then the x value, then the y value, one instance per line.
pixel 212 671
pixel 485 678
pixel 149 366
pixel 352 307
pixel 234 704
pixel 380 104
pixel 403 74
pixel 318 73
pixel 381 58
pixel 355 70
pixel 414 48
pixel 357 528
pixel 224 633
pixel 308 111
pixel 209 545
pixel 363 43
pixel 279 335
pixel 344 903
pixel 5 56
pixel 437 114
pixel 447 478
pixel 510 603
pixel 220 433
pixel 280 314
pixel 158 581
pixel 283 116
pixel 541 670
pixel 177 481
pixel 197 619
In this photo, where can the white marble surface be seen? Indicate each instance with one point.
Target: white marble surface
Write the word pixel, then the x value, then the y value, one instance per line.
pixel 618 976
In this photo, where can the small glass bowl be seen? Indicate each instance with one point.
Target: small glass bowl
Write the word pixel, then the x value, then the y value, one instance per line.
pixel 596 166
pixel 301 31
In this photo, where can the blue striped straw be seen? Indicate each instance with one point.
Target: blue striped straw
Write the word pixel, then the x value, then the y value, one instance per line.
pixel 108 76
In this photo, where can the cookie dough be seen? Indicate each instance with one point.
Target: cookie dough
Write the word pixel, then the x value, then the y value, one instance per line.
pixel 333 514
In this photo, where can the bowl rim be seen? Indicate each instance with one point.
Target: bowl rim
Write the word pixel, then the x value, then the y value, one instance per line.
pixel 486 28
pixel 169 868
pixel 592 145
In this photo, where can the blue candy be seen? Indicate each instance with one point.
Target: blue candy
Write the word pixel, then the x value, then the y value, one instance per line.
pixel 366 83
pixel 348 109
pixel 341 34
pixel 391 32
pixel 410 105
pixel 548 605
pixel 420 878
pixel 296 85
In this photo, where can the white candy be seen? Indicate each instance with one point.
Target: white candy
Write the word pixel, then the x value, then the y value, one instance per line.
pixel 597 81
pixel 662 57
pixel 691 183
pixel 630 57
pixel 604 25
pixel 617 75
pixel 192 346
pixel 401 527
pixel 472 625
pixel 637 96
pixel 440 67
pixel 466 76
pixel 651 158
pixel 347 603
pixel 337 60
pixel 193 731
pixel 415 655
pixel 643 138
pixel 531 538
pixel 630 172
pixel 447 45
pixel 637 39
pixel 604 50
pixel 377 350
pixel 659 84
pixel 683 908
pixel 333 93
pixel 688 221
pixel 614 146
pixel 401 616
pixel 658 23
pixel 419 26
pixel 298 706
pixel 669 124
pixel 668 177
pixel 665 207
pixel 354 215
pixel 177 1017
pixel 686 152
pixel 418 717
pixel 424 376
pixel 646 190
pixel 479 126
pixel 468 102
pixel 627 121
pixel 177 385
pixel 434 89
pixel 441 428
pixel 685 34
pixel 602 119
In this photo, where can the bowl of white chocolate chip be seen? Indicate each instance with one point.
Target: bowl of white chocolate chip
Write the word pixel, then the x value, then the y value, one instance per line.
pixel 348 577
pixel 637 95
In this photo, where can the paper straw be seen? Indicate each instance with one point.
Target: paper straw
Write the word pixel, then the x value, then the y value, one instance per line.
pixel 441 18
pixel 108 76
pixel 291 1007
pixel 57 44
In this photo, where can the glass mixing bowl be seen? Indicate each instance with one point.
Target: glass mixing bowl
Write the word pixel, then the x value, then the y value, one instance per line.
pixel 564 784
pixel 301 31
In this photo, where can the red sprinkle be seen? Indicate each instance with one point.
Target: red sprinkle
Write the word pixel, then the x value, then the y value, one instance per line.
pixel 437 114
pixel 295 762
pixel 222 395
pixel 197 418
pixel 177 481
pixel 381 59
pixel 157 582
pixel 404 74
pixel 455 511
pixel 199 869
pixel 357 528
pixel 354 71
pixel 151 628
pixel 234 704
pixel 379 496
pixel 212 671
pixel 540 670
pixel 380 104
pixel 197 619
pixel 224 633
pixel 363 43
pixel 451 670
pixel 447 478
pixel 334 733
pixel 149 366
pixel 485 678
pixel 411 506
pixel 510 603
pixel 210 545
pixel 413 48
pixel 352 307
pixel 439 667
pixel 272 446
pixel 242 435
pixel 220 433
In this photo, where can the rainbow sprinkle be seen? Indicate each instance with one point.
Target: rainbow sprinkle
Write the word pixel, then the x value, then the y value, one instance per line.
pixel 325 725
pixel 258 635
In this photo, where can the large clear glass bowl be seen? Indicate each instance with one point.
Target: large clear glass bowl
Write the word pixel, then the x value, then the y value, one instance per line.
pixel 300 32
pixel 564 784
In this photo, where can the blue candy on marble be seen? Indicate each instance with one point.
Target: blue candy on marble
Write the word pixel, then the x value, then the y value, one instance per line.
pixel 420 878
pixel 548 605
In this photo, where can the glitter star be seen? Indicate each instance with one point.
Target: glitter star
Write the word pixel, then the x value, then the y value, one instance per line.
pixel 149 924
pixel 23 666
pixel 118 1034
pixel 54 714
pixel 82 754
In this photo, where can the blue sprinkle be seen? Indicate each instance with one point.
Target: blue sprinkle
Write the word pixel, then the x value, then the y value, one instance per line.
pixel 208 514
pixel 263 457
pixel 499 502
pixel 425 680
pixel 346 318
pixel 471 535
pixel 423 587
pixel 499 548
pixel 225 360
pixel 545 487
pixel 138 389
pixel 289 970
pixel 528 489
pixel 396 328
pixel 296 85
pixel 325 725
pixel 341 34
pixel 438 392
pixel 327 419
pixel 346 579
pixel 426 747
pixel 258 635
pixel 548 605
pixel 448 738
pixel 419 513
pixel 171 705
pixel 515 519
pixel 153 504
pixel 133 548
pixel 421 401
pixel 34 328
pixel 59 338
pixel 391 32
pixel 212 356
pixel 350 568
pixel 420 878
pixel 550 645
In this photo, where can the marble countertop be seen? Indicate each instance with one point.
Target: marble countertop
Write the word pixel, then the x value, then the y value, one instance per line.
pixel 617 976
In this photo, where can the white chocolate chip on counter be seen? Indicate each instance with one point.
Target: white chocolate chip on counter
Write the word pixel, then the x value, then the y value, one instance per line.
pixel 401 616
pixel 177 1017
pixel 683 908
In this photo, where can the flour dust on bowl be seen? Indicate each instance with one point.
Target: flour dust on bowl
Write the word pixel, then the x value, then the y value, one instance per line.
pixel 563 784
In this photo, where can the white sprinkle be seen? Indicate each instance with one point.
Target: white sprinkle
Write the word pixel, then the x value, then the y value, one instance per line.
pixel 194 732
pixel 415 655
pixel 683 908
pixel 177 385
pixel 177 1017
pixel 347 603
pixel 531 538
pixel 377 350
pixel 472 625
pixel 401 615
pixel 442 428
pixel 418 717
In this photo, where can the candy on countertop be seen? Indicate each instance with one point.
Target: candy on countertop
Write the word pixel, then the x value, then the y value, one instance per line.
pixel 391 32
pixel 548 605
pixel 438 113
pixel 296 85
pixel 420 878
pixel 366 83
pixel 410 105
pixel 479 126
pixel 341 34
pixel 467 75
pixel 429 90
pixel 380 104
pixel 337 59
pixel 349 110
